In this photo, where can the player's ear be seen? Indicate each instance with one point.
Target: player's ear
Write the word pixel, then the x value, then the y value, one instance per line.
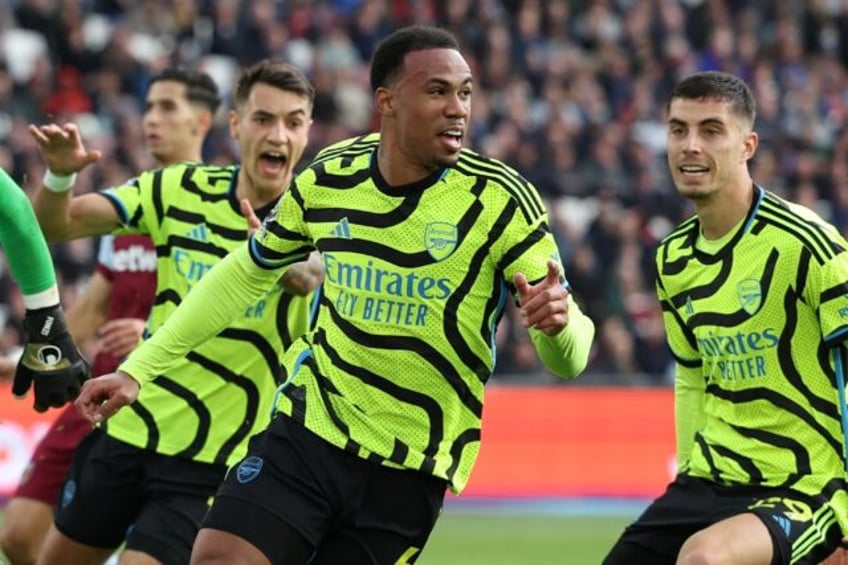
pixel 752 141
pixel 384 101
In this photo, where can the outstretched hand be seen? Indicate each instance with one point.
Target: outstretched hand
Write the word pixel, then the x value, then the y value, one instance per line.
pixel 543 306
pixel 103 396
pixel 62 148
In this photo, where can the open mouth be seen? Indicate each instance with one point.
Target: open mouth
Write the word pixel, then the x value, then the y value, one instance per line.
pixel 272 163
pixel 693 170
pixel 452 138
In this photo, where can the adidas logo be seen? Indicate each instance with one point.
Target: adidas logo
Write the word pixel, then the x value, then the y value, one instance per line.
pixel 342 229
pixel 198 233
pixel 688 306
pixel 784 523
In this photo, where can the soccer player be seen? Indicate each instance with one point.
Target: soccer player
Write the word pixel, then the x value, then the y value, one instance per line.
pixel 149 475
pixel 753 290
pixel 51 363
pixel 423 242
pixel 179 110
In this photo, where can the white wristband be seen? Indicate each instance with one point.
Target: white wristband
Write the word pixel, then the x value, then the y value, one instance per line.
pixel 57 183
pixel 43 299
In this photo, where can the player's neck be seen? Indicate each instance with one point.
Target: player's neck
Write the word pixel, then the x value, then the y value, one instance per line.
pixel 396 168
pixel 192 156
pixel 724 210
pixel 259 196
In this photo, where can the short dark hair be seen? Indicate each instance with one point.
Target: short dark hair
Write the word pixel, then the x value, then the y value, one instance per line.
pixel 720 86
pixel 388 57
pixel 200 87
pixel 273 73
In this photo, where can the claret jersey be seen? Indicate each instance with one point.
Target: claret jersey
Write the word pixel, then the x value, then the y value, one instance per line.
pixel 128 262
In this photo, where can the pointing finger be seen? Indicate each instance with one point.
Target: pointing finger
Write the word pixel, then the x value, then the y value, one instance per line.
pixel 554 272
pixel 253 221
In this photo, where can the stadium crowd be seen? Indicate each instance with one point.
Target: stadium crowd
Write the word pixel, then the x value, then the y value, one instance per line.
pixel 569 92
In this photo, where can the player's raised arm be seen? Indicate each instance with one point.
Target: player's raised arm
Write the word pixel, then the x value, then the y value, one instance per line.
pixel 62 216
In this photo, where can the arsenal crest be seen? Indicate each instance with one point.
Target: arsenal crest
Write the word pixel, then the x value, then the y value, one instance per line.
pixel 440 239
pixel 750 295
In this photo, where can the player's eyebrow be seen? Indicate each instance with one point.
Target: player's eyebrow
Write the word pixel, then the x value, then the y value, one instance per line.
pixel 705 122
pixel 438 81
pixel 267 114
pixel 298 111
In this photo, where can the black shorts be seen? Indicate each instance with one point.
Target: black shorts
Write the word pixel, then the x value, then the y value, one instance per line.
pixel 691 504
pixel 116 491
pixel 297 497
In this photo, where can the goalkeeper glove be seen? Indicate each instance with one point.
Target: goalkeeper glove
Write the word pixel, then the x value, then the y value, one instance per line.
pixel 51 362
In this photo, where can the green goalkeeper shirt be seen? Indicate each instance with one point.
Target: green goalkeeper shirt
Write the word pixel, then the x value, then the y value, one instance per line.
pixel 757 324
pixel 416 278
pixel 207 405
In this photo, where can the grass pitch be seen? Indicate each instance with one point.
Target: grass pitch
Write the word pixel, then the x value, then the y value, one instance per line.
pixel 501 539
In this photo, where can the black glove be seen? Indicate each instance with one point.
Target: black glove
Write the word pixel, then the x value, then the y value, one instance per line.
pixel 51 360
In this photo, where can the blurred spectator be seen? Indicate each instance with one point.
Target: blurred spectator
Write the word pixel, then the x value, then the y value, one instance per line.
pixel 570 93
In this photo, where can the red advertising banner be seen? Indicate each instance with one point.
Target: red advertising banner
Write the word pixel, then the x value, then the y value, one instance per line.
pixel 568 441
pixel 537 442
